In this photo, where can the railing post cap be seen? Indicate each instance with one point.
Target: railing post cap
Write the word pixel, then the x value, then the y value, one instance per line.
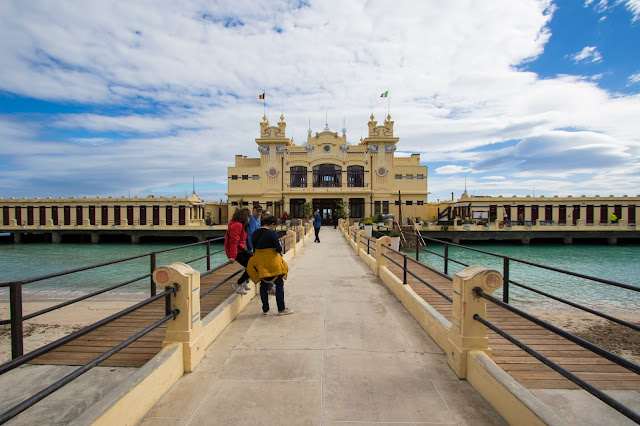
pixel 385 239
pixel 490 278
pixel 164 275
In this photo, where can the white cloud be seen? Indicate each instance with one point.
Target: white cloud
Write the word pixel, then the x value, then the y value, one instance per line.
pixel 452 169
pixel 603 6
pixel 635 78
pixel 634 8
pixel 173 92
pixel 587 54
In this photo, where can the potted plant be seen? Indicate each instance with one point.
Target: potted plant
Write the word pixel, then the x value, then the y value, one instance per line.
pixel 368 227
pixel 208 219
pixel 395 239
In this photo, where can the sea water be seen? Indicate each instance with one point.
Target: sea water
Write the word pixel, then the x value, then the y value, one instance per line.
pixel 615 263
pixel 24 261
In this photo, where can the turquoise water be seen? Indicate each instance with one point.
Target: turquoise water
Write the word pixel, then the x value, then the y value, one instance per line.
pixel 21 261
pixel 615 263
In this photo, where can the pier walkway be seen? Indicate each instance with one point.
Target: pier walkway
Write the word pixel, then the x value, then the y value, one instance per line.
pixel 349 353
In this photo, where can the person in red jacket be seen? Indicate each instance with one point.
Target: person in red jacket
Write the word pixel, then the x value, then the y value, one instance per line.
pixel 234 246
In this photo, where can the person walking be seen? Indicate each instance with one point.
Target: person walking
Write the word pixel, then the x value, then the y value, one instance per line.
pixel 317 223
pixel 235 248
pixel 268 266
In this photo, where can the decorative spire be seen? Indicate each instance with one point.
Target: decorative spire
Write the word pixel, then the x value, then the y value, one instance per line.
pixel 309 131
pixel 326 121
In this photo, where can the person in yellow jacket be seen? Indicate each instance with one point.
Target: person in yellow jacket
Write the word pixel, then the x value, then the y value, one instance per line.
pixel 267 265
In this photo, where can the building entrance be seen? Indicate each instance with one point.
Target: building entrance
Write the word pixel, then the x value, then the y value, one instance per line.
pixel 327 209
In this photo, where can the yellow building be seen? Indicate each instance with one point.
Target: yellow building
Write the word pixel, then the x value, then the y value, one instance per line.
pixel 583 210
pixel 99 216
pixel 367 177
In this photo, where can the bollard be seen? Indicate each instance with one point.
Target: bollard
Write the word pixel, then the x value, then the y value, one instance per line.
pixel 186 328
pixel 467 334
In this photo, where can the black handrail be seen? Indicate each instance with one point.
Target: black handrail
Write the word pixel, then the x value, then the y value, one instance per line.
pixel 77 299
pixel 416 276
pixel 17 409
pixel 16 315
pixel 575 379
pixel 98 265
pixel 575 339
pixel 507 281
pixel 550 268
pixel 16 362
pixel 209 290
pixel 579 306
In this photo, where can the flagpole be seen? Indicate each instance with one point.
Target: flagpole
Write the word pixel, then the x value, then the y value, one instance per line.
pixel 264 102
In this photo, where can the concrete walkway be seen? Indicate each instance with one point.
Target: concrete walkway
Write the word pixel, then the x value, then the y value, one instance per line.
pixel 349 353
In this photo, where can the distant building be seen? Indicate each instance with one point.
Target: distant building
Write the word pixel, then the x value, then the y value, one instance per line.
pixel 367 177
pixel 583 210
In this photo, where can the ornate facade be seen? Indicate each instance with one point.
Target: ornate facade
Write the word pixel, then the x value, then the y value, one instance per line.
pixel 367 177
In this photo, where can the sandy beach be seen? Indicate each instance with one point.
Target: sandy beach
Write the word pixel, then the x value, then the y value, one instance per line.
pixel 53 325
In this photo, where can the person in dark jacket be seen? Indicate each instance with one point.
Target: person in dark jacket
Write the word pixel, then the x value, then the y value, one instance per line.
pixel 235 248
pixel 267 265
pixel 317 223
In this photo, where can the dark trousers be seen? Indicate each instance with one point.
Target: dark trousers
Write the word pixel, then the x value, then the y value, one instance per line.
pixel 264 296
pixel 317 233
pixel 243 258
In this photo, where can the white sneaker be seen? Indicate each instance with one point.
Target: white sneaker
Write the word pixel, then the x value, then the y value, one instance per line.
pixel 287 311
pixel 246 286
pixel 238 288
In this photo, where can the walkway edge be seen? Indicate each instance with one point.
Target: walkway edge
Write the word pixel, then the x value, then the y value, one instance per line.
pixel 510 399
pixel 129 402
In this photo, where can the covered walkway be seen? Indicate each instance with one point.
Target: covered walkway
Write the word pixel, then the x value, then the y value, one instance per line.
pixel 349 353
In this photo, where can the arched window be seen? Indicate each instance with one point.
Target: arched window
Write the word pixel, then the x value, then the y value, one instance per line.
pixel 355 176
pixel 298 177
pixel 327 176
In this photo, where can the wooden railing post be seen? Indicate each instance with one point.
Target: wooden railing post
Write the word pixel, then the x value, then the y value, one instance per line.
pixel 467 334
pixel 186 328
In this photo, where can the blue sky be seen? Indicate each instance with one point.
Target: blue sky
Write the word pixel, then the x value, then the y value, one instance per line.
pixel 518 97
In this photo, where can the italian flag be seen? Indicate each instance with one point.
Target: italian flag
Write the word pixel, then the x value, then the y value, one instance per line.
pixel 385 94
pixel 261 96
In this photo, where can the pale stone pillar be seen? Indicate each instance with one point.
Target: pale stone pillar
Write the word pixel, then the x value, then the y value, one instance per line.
pixel 359 236
pixel 294 241
pixel 466 334
pixel 381 248
pixel 186 328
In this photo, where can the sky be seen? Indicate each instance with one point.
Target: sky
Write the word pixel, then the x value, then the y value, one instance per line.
pixel 511 97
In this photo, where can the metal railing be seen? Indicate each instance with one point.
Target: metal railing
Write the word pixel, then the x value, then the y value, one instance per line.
pixel 16 362
pixel 635 368
pixel 615 404
pixel 169 314
pixel 15 289
pixel 506 272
